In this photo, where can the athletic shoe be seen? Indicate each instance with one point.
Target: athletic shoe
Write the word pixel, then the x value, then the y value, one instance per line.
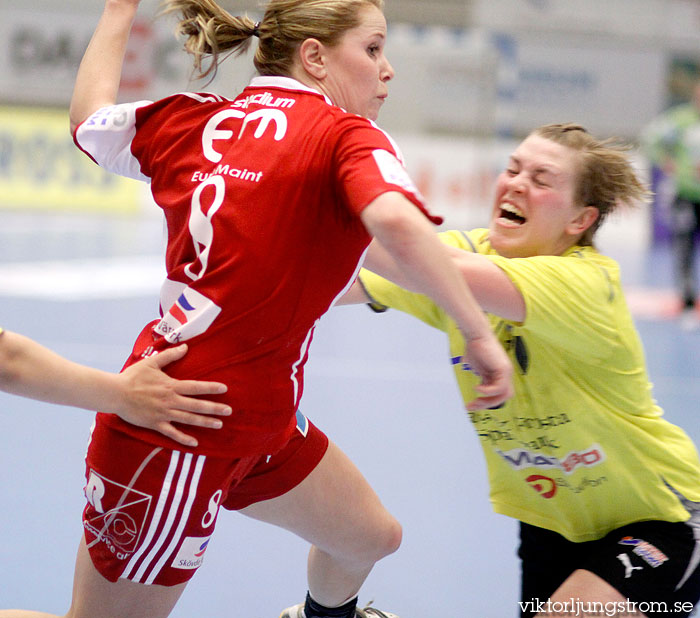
pixel 367 612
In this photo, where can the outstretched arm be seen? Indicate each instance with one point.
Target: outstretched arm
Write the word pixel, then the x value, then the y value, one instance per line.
pixel 405 233
pixel 491 287
pixel 142 394
pixel 97 82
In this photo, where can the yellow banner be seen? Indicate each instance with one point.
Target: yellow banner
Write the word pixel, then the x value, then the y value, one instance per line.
pixel 42 169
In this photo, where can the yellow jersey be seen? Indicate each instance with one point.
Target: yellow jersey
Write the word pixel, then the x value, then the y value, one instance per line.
pixel 582 448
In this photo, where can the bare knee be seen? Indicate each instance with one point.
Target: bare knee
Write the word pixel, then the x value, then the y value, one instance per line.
pixel 383 539
pixel 337 511
pixel 392 537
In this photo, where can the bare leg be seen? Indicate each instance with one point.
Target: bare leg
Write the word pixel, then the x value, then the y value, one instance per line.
pixel 684 226
pixel 587 589
pixel 337 511
pixel 95 597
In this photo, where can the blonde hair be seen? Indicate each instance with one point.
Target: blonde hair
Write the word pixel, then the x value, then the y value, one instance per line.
pixel 606 177
pixel 210 30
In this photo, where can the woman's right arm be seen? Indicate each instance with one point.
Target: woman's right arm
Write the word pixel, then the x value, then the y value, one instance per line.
pixel 405 233
pixel 97 81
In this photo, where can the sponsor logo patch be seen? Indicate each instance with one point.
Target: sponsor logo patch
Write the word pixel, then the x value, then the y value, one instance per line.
pixel 191 553
pixel 393 172
pixel 115 515
pixel 522 458
pixel 651 554
pixel 190 315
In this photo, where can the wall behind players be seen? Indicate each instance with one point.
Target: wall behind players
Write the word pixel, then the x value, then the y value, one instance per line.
pixel 519 63
pixel 513 64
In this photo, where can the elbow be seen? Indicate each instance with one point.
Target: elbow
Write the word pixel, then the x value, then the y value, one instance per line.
pixel 79 112
pixel 8 378
pixel 10 361
pixel 74 121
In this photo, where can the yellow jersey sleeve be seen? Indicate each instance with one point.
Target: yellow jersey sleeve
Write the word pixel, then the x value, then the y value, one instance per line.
pixel 384 294
pixel 580 287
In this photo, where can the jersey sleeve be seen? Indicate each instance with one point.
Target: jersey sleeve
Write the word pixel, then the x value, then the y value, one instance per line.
pixel 384 294
pixel 571 302
pixel 106 137
pixel 369 164
pixel 125 138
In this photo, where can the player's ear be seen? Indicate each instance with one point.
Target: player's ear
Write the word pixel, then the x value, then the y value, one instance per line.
pixel 583 220
pixel 313 59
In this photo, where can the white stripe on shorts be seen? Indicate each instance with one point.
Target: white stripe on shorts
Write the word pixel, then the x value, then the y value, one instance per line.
pixel 172 512
pixel 192 492
pixel 168 506
pixel 157 513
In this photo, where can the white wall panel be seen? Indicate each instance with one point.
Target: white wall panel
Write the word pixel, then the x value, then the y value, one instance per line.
pixel 608 88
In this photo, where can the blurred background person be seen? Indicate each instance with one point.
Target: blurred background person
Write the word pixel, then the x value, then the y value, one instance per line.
pixel 672 144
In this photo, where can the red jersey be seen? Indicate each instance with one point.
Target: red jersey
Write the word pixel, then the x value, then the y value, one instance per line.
pixel 262 197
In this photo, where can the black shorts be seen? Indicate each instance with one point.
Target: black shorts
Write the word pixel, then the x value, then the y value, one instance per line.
pixel 655 565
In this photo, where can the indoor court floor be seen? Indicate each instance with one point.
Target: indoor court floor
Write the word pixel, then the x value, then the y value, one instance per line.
pixel 379 385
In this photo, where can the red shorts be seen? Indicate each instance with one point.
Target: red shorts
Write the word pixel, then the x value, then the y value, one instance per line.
pixel 151 511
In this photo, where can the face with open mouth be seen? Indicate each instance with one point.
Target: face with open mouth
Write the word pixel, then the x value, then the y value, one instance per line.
pixel 535 212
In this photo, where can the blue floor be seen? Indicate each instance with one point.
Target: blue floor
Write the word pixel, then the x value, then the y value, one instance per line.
pixel 380 387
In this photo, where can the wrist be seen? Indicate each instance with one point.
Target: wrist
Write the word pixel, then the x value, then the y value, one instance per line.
pixel 127 8
pixel 110 392
pixel 470 336
pixel 475 326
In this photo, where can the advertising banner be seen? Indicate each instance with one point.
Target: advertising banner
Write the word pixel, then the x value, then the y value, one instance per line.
pixel 41 168
pixel 41 49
